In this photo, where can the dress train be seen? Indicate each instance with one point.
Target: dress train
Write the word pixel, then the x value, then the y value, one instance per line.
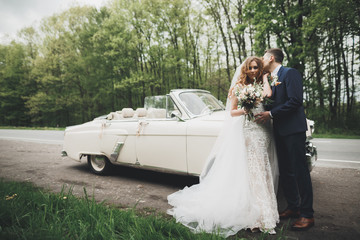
pixel 234 192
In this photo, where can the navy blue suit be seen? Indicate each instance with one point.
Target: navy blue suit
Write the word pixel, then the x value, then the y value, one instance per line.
pixel 289 130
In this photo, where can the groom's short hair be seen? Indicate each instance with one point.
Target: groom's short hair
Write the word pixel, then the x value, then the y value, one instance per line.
pixel 277 53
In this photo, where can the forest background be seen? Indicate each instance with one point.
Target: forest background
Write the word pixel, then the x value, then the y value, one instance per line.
pixel 86 62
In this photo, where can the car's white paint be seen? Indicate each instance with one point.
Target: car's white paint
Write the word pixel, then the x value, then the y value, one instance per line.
pixel 164 143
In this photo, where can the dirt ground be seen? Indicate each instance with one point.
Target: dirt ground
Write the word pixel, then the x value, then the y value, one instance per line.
pixel 336 190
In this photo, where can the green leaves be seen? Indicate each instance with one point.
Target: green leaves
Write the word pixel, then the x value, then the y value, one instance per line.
pixel 85 62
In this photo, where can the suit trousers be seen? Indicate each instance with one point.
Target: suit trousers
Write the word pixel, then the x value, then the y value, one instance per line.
pixel 294 173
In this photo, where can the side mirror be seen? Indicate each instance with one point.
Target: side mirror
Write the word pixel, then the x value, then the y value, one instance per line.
pixel 176 114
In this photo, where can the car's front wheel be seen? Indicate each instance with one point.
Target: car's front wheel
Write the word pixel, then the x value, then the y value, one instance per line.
pixel 99 164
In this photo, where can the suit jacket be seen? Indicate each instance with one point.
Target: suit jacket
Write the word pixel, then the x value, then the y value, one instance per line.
pixel 287 107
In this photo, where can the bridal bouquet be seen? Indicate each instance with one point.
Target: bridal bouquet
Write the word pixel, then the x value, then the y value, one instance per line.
pixel 249 97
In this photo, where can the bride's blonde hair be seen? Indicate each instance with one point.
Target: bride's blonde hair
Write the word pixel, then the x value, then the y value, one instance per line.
pixel 244 79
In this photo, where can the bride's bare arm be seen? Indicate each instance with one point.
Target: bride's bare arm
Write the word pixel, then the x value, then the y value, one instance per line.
pixel 267 92
pixel 234 109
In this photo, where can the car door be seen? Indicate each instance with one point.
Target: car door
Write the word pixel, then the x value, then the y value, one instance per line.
pixel 161 143
pixel 121 132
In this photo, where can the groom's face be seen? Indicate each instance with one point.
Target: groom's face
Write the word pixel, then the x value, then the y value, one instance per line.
pixel 267 59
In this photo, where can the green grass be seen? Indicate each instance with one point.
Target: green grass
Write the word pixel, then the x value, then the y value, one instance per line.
pixel 332 135
pixel 28 212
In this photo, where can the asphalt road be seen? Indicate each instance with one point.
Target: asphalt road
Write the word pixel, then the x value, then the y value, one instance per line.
pixel 37 136
pixel 338 153
pixel 34 156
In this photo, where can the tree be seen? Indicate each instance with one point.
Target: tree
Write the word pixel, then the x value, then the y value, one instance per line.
pixel 15 84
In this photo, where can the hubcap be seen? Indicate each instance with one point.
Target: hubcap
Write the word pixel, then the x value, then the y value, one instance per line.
pixel 98 163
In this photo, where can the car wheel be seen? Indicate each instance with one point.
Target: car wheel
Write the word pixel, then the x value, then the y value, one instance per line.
pixel 315 157
pixel 311 157
pixel 99 164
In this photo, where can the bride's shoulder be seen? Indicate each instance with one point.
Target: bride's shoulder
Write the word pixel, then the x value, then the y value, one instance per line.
pixel 238 86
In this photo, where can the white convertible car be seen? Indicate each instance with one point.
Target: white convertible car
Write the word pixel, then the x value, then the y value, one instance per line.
pixel 174 132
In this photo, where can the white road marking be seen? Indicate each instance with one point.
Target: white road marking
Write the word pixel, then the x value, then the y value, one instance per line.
pixel 342 161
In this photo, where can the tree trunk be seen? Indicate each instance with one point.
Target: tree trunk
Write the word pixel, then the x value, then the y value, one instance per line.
pixel 229 29
pixel 352 74
pixel 217 21
pixel 318 80
pixel 337 65
pixel 346 74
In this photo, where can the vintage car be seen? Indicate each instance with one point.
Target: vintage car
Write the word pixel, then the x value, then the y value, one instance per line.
pixel 174 132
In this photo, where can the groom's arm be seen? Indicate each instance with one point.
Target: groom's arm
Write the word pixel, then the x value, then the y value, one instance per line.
pixel 294 91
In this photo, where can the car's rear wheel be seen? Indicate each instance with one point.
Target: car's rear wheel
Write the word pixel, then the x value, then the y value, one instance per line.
pixel 99 164
pixel 311 155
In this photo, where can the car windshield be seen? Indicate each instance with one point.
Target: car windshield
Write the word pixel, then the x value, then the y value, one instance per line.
pixel 200 103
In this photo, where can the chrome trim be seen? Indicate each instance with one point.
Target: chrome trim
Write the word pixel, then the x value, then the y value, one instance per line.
pixel 189 90
pixel 155 169
pixel 115 154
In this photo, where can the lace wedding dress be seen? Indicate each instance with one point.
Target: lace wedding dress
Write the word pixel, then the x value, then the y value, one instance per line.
pixel 261 159
pixel 237 186
pixel 237 191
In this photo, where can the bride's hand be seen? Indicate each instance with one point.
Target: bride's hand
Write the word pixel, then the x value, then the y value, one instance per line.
pixel 265 77
pixel 246 112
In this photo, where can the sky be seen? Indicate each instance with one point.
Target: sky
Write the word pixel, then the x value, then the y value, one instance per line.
pixel 18 14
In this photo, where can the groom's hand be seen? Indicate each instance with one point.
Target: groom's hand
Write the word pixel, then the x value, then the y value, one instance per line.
pixel 262 117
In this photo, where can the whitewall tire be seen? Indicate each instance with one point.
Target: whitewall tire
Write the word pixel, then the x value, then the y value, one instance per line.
pixel 99 164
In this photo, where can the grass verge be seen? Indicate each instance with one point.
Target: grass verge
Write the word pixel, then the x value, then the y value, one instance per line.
pixel 339 136
pixel 33 128
pixel 28 212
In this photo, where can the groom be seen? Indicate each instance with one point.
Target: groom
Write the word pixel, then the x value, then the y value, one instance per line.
pixel 289 122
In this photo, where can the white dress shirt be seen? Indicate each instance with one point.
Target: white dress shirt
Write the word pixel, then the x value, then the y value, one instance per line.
pixel 276 70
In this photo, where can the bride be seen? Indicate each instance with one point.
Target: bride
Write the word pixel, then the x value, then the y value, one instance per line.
pixel 236 189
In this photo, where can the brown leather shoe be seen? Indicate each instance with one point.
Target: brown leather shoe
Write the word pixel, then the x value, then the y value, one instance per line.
pixel 287 213
pixel 302 224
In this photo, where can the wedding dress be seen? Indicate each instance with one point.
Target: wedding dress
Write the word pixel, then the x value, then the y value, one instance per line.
pixel 236 189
